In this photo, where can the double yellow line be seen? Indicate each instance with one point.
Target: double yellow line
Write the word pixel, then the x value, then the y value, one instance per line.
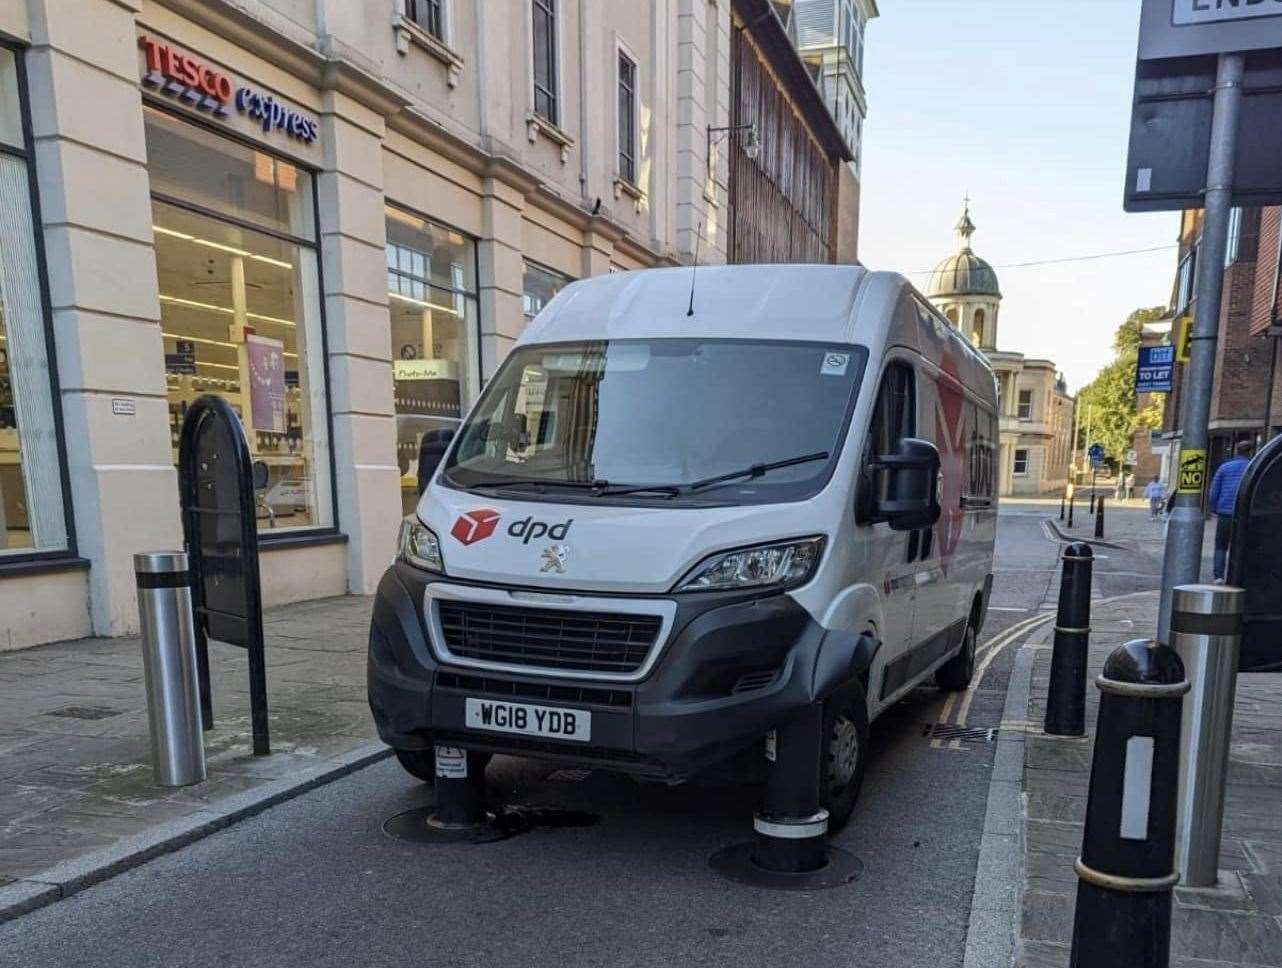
pixel 989 650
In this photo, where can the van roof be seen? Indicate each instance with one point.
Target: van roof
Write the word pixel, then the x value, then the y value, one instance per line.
pixel 787 302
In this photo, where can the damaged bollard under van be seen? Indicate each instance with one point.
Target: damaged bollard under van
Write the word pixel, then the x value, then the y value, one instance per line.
pixel 677 524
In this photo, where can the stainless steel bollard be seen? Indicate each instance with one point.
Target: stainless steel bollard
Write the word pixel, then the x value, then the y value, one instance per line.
pixel 169 664
pixel 1206 631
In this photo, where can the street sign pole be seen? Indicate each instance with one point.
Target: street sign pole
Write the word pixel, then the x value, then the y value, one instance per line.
pixel 1183 558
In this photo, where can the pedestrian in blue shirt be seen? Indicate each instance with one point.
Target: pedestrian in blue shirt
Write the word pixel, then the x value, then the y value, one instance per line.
pixel 1223 500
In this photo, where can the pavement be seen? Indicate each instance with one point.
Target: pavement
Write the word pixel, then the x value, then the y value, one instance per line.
pixel 1236 924
pixel 77 796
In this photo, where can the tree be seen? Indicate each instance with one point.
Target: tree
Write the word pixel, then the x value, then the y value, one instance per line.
pixel 1110 399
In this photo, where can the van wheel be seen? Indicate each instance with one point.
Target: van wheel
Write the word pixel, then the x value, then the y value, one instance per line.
pixel 844 753
pixel 421 764
pixel 955 674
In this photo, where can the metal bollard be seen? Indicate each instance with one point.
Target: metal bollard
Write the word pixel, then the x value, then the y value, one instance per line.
pixel 460 792
pixel 1206 632
pixel 1125 872
pixel 1072 498
pixel 1066 695
pixel 791 829
pixel 1062 496
pixel 1099 517
pixel 1092 500
pixel 169 666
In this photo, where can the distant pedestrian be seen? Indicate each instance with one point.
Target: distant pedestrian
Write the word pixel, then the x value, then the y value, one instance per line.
pixel 1130 485
pixel 1224 488
pixel 1155 491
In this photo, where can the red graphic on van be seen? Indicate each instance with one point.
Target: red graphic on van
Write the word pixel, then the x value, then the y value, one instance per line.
pixel 475 525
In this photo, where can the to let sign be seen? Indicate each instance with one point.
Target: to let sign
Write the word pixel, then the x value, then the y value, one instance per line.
pixel 1153 369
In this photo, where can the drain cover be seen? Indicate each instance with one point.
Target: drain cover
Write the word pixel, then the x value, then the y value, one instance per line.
pixel 966 734
pixel 86 712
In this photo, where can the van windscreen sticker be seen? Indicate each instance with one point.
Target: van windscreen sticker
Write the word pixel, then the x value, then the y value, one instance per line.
pixel 835 364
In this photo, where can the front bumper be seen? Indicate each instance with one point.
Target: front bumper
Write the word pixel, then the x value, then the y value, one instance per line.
pixel 734 666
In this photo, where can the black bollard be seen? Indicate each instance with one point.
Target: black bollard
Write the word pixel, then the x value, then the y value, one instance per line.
pixel 791 829
pixel 1062 495
pixel 1099 517
pixel 1071 499
pixel 1066 695
pixel 460 791
pixel 1092 500
pixel 1126 870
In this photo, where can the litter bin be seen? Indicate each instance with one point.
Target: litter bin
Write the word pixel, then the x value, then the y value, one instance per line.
pixel 169 666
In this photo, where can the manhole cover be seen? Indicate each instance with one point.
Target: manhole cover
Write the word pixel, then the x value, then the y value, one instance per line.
pixel 966 734
pixel 86 712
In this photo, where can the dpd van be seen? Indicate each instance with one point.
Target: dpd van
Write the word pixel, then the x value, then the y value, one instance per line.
pixel 674 519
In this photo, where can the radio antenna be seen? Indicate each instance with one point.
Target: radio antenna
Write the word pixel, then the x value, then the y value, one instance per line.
pixel 694 268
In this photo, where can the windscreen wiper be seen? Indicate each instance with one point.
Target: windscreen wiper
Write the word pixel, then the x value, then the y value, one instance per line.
pixel 756 470
pixel 539 482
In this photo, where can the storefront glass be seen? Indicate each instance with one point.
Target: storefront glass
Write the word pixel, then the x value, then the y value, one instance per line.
pixel 539 286
pixel 431 297
pixel 240 307
pixel 32 512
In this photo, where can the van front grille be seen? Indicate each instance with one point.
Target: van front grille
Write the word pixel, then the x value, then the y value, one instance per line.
pixel 548 638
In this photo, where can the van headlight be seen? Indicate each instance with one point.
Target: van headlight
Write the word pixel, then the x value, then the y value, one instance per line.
pixel 782 565
pixel 418 545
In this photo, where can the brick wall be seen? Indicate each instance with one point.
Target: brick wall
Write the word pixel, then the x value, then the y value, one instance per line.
pixel 1241 358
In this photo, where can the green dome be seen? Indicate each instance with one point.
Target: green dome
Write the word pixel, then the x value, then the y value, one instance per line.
pixel 964 273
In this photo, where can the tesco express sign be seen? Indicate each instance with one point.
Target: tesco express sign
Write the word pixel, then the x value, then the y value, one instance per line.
pixel 187 78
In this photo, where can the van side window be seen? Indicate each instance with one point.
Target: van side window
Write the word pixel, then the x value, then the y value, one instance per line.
pixel 894 417
pixel 981 447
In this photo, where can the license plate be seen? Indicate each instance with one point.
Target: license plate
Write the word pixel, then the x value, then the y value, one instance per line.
pixel 527 720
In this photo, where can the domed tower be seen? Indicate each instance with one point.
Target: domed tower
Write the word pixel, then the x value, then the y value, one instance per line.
pixel 964 288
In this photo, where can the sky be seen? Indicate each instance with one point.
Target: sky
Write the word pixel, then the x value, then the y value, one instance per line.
pixel 1025 104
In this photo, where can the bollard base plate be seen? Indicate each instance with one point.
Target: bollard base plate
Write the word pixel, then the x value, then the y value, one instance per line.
pixel 735 864
pixel 422 826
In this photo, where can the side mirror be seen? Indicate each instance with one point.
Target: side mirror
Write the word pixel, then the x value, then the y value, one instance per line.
pixel 910 485
pixel 431 450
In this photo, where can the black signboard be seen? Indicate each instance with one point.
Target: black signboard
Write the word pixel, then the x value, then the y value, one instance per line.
pixel 1255 559
pixel 1171 133
pixel 217 487
pixel 183 359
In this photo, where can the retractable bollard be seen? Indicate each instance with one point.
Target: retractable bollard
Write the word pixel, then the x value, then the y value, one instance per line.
pixel 1066 695
pixel 1206 632
pixel 460 792
pixel 1126 869
pixel 1099 517
pixel 791 829
pixel 169 667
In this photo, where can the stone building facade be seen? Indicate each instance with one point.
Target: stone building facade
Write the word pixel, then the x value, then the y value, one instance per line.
pixel 338 216
pixel 1036 411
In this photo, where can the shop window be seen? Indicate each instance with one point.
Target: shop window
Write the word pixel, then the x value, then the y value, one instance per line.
pixel 1025 404
pixel 32 508
pixel 1021 461
pixel 546 97
pixel 431 298
pixel 539 286
pixel 428 14
pixel 236 266
pixel 627 119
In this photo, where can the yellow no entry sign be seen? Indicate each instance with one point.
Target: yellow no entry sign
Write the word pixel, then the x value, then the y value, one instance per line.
pixel 1192 471
pixel 1183 337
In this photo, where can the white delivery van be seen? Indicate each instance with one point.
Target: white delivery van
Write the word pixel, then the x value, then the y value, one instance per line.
pixel 668 525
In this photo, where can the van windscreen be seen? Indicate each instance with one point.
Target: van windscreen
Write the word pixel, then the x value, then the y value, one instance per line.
pixel 602 417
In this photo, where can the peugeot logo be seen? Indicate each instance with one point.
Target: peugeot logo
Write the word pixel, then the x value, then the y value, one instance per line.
pixel 554 559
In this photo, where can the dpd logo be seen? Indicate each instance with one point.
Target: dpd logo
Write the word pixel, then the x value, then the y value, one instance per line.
pixel 475 525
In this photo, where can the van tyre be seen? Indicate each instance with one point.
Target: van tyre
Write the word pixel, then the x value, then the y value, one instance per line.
pixel 956 674
pixel 421 764
pixel 844 753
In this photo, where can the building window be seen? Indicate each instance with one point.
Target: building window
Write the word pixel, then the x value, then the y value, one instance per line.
pixel 1025 404
pixel 539 286
pixel 1185 281
pixel 32 492
pixel 951 313
pixel 1234 246
pixel 428 14
pixel 1021 461
pixel 240 308
pixel 977 328
pixel 627 119
pixel 545 66
pixel 432 301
